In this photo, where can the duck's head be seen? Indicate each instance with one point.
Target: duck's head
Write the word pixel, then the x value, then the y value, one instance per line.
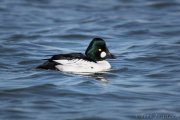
pixel 97 50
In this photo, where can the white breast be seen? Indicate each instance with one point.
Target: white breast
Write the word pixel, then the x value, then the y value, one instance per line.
pixel 82 66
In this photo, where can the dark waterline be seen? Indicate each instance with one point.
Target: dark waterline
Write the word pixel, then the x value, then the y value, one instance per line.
pixel 144 82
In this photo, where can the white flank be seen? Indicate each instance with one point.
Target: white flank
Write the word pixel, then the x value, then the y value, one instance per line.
pixel 82 66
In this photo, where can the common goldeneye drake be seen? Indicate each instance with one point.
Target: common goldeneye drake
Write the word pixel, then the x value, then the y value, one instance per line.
pixel 93 61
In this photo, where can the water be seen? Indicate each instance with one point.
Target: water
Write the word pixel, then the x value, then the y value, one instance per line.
pixel 144 82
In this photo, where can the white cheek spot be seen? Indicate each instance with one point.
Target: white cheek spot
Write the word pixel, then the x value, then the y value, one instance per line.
pixel 103 54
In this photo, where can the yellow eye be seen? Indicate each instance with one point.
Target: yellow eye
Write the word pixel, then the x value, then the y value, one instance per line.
pixel 99 50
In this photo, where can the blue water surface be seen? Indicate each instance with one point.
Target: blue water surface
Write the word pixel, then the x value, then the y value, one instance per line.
pixel 144 83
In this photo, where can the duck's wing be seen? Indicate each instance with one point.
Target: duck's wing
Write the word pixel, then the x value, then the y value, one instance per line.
pixel 61 59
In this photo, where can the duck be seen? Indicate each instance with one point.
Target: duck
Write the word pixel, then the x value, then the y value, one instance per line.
pixel 93 61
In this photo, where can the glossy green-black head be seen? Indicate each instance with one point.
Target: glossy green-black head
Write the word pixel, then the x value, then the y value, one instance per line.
pixel 97 50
